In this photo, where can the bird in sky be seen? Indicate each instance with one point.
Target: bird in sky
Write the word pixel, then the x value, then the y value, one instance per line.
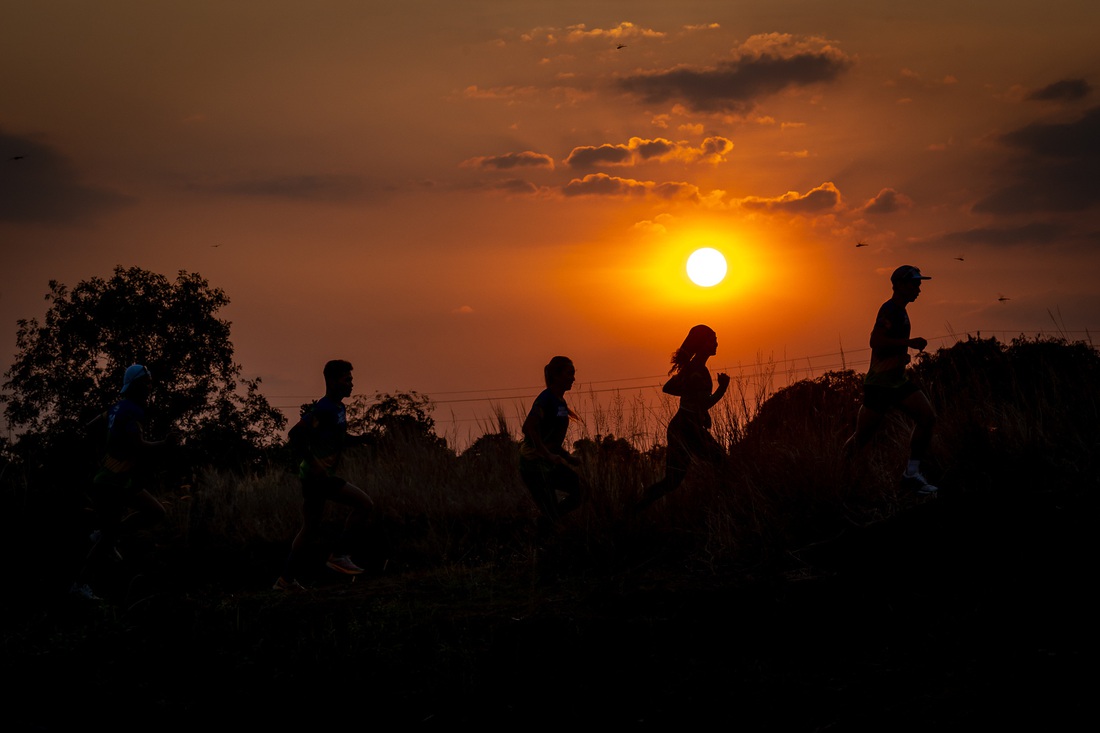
pixel 620 47
pixel 960 259
pixel 1002 298
pixel 861 243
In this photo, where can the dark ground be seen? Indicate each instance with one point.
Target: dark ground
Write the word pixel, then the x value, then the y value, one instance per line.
pixel 954 614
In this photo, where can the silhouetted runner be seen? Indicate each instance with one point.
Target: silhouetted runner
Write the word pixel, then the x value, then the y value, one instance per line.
pixel 120 500
pixel 544 463
pixel 689 438
pixel 321 435
pixel 887 384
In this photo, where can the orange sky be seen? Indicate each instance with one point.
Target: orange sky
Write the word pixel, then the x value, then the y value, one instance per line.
pixel 448 194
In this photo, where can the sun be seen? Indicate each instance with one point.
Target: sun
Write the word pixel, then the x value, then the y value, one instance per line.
pixel 706 267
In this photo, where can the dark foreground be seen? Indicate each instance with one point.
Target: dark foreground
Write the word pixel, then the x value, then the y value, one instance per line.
pixel 951 615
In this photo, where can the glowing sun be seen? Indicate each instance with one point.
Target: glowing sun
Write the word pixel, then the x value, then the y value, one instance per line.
pixel 706 267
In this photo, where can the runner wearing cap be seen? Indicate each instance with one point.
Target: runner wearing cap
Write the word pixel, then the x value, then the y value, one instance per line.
pixel 887 385
pixel 118 486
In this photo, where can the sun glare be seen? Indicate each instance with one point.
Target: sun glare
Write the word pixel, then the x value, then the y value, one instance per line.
pixel 706 267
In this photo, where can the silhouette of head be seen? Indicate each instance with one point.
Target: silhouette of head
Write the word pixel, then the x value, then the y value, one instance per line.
pixel 907 274
pixel 335 372
pixel 701 340
pixel 136 379
pixel 557 368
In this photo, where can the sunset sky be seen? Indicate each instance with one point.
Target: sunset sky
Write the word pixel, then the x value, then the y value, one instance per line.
pixel 449 193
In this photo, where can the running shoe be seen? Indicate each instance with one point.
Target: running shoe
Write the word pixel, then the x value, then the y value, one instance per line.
pixel 918 480
pixel 287 584
pixel 84 592
pixel 343 564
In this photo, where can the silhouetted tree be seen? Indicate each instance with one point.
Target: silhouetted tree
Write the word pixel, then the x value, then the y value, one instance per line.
pixel 403 416
pixel 69 367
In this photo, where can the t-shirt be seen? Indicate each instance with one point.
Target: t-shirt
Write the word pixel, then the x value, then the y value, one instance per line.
pixel 552 427
pixel 124 428
pixel 888 362
pixel 327 435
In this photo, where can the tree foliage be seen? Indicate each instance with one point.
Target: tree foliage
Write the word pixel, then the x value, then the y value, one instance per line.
pixel 69 367
pixel 393 418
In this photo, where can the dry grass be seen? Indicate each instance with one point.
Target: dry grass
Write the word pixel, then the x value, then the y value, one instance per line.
pixel 1021 415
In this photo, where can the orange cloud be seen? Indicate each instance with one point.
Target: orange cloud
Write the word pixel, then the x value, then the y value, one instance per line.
pixel 822 198
pixel 887 201
pixel 601 184
pixel 637 149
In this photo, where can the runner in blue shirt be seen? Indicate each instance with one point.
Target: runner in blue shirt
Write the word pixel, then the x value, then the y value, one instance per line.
pixel 323 431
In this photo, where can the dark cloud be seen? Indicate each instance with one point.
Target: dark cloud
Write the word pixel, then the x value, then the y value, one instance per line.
pixel 737 85
pixel 1033 233
pixel 654 148
pixel 637 149
pixel 601 184
pixel 526 159
pixel 676 190
pixel 516 185
pixel 40 185
pixel 1053 168
pixel 823 198
pixel 587 156
pixel 887 201
pixel 1067 90
pixel 302 187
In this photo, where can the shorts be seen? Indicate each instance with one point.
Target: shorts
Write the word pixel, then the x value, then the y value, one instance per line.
pixel 882 399
pixel 319 489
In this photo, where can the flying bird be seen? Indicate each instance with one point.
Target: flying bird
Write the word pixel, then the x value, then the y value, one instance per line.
pixel 17 157
pixel 861 243
pixel 1003 298
pixel 960 259
pixel 620 47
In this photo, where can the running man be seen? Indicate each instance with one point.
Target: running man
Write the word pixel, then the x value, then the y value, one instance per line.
pixel 887 386
pixel 323 434
pixel 118 486
pixel 544 464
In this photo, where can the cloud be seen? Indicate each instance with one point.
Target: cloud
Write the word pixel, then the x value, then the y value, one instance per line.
pixel 1067 90
pixel 764 65
pixel 516 185
pixel 601 184
pixel 822 198
pixel 40 185
pixel 909 80
pixel 711 150
pixel 506 92
pixel 526 159
pixel 887 201
pixel 1033 233
pixel 580 33
pixel 587 156
pixel 1054 168
pixel 305 187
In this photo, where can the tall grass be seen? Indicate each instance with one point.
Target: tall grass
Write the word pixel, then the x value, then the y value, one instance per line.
pixel 1013 418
